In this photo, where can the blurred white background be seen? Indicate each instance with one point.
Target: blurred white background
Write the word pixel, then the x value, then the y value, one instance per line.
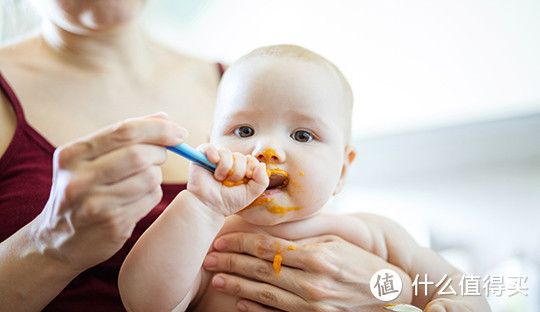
pixel 446 119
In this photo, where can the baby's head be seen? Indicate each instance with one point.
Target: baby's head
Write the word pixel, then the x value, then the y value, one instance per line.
pixel 290 108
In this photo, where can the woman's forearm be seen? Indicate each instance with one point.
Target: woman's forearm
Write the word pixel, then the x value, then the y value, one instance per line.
pixel 30 276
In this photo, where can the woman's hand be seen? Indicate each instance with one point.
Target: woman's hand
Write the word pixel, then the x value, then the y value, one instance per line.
pixel 323 273
pixel 102 186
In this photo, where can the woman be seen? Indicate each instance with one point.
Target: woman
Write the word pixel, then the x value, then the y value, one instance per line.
pixel 67 220
pixel 90 66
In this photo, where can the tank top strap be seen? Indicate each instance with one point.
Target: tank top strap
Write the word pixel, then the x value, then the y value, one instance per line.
pixel 22 124
pixel 12 98
pixel 221 67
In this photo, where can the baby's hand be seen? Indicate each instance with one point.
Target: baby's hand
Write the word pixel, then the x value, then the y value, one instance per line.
pixel 238 180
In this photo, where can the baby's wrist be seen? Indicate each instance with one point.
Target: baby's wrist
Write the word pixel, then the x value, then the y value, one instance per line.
pixel 203 210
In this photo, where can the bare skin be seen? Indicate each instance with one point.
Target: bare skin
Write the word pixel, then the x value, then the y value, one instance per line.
pixel 70 86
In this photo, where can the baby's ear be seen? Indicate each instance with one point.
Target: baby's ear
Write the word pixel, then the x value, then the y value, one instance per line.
pixel 348 157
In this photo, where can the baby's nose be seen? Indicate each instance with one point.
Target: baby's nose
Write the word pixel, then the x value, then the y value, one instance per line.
pixel 269 156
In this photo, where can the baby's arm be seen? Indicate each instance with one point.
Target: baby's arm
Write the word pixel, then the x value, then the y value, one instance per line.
pixel 403 251
pixel 162 271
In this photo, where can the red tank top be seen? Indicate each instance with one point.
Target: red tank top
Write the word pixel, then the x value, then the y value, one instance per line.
pixel 25 182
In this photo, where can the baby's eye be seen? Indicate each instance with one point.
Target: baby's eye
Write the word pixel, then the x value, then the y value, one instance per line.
pixel 302 136
pixel 244 132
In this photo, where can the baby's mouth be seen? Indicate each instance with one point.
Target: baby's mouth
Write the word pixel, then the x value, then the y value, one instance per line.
pixel 278 178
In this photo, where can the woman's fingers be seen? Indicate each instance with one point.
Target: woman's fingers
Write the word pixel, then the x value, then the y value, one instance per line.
pixel 250 306
pixel 304 255
pixel 149 130
pixel 130 189
pixel 258 245
pixel 262 293
pixel 254 268
pixel 124 162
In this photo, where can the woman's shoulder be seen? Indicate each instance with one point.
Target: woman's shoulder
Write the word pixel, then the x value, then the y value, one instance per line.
pixel 17 50
pixel 179 62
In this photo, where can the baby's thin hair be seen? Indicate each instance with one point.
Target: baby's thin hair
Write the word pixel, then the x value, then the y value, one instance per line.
pixel 303 54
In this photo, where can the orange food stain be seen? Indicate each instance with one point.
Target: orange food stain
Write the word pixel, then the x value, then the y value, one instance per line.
pixel 272 207
pixel 300 173
pixel 278 259
pixel 277 262
pixel 278 171
pixel 269 153
pixel 235 183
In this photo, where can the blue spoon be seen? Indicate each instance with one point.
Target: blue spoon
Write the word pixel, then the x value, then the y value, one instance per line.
pixel 194 155
pixel 184 150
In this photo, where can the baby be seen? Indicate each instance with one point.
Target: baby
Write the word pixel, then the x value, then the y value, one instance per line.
pixel 285 113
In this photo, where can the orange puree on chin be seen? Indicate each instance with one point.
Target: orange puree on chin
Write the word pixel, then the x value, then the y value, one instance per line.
pixel 272 207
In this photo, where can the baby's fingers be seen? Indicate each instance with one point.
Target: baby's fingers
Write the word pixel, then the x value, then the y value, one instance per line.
pixel 238 170
pixel 224 165
pixel 210 151
pixel 260 178
pixel 251 165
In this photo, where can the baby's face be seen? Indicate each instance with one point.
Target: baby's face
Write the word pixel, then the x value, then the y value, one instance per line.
pixel 290 115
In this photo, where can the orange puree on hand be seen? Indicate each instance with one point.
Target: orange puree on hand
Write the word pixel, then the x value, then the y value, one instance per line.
pixel 277 262
pixel 236 183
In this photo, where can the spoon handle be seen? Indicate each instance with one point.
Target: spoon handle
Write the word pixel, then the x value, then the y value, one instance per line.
pixel 194 155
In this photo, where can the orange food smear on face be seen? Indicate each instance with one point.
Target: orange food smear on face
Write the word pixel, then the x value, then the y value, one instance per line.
pixel 277 171
pixel 300 173
pixel 269 153
pixel 291 247
pixel 272 207
pixel 277 262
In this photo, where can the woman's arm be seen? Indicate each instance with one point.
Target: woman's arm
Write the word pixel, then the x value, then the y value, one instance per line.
pixel 102 186
pixel 30 275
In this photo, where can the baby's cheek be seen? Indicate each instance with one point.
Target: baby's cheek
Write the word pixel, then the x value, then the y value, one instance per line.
pixel 310 192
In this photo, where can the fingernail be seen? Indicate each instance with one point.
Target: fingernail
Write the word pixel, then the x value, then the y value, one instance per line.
pixel 210 262
pixel 218 282
pixel 181 132
pixel 241 307
pixel 221 244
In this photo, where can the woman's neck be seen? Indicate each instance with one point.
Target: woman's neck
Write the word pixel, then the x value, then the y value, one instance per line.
pixel 125 50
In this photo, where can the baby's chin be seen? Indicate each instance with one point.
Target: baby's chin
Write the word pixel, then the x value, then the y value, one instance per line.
pixel 260 216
